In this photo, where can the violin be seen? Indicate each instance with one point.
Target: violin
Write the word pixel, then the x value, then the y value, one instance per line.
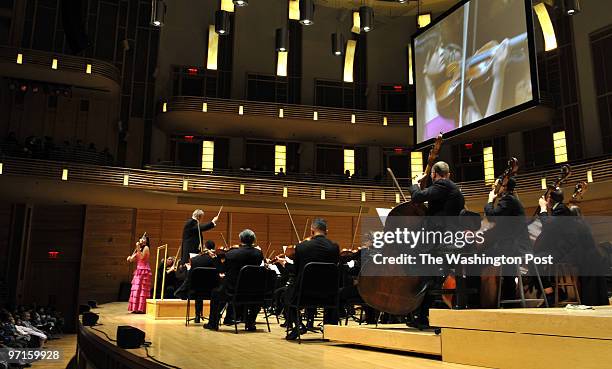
pixel 139 246
pixel 478 70
pixel 289 251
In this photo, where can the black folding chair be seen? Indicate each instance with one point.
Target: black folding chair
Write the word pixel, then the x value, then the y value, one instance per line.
pixel 201 283
pixel 272 281
pixel 317 287
pixel 251 290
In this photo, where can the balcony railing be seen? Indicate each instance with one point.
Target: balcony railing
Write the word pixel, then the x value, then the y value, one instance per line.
pixel 64 62
pixel 270 188
pixel 290 111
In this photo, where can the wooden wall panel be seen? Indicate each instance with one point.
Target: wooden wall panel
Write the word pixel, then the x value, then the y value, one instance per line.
pixel 221 228
pixel 279 233
pixel 340 230
pixel 302 222
pixel 108 240
pixel 149 221
pixel 172 222
pixel 258 223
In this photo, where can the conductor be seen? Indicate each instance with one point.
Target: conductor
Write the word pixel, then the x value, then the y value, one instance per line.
pixel 192 234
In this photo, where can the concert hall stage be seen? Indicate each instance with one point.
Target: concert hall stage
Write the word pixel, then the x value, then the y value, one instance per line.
pixel 511 338
pixel 503 338
pixel 193 347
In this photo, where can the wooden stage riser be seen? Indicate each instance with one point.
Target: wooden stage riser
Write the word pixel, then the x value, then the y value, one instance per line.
pixel 527 338
pixel 519 351
pixel 397 337
pixel 173 309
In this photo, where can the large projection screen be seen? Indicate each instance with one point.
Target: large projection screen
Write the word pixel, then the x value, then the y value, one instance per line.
pixel 473 65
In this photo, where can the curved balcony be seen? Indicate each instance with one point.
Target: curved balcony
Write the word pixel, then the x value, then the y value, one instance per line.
pixel 52 67
pixel 267 189
pixel 189 114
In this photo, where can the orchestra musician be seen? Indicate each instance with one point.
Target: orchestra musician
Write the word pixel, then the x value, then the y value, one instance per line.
pixel 593 287
pixel 235 259
pixel 444 199
pixel 171 279
pixel 202 260
pixel 568 238
pixel 553 205
pixel 509 237
pixel 443 196
pixel 351 269
pixel 192 233
pixel 316 249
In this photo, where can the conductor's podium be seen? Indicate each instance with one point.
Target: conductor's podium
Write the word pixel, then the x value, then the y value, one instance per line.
pixel 172 308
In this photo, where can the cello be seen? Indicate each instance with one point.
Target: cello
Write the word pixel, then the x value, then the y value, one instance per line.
pixel 396 293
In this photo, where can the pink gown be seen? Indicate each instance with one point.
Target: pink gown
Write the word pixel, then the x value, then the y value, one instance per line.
pixel 141 286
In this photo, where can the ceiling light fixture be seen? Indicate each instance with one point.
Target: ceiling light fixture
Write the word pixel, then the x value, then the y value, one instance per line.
pixel 222 22
pixel 307 12
pixel 366 17
pixel 158 13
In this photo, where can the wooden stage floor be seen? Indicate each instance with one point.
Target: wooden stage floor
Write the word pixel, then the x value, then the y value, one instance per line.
pixel 194 347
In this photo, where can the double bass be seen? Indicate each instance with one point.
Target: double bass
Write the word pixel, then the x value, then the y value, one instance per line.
pixel 579 190
pixel 395 293
pixel 535 226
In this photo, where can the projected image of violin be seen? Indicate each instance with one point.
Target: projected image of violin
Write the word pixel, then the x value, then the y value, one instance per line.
pixel 480 68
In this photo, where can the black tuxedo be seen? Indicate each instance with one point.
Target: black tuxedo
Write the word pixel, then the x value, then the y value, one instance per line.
pixel 558 210
pixel 192 235
pixel 317 249
pixel 510 235
pixel 443 198
pixel 235 259
pixel 200 261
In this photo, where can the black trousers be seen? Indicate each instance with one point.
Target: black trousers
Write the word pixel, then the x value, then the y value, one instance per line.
pixel 220 297
pixel 351 293
pixel 330 315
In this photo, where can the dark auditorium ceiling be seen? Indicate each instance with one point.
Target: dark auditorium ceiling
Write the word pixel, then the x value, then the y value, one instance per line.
pixel 391 7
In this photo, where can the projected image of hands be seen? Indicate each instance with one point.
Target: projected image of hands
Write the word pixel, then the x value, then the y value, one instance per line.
pixel 471 65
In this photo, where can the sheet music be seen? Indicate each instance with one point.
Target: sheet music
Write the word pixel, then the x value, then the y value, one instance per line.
pixel 382 214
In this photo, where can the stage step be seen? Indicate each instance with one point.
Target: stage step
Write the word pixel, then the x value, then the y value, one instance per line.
pixel 397 337
pixel 526 338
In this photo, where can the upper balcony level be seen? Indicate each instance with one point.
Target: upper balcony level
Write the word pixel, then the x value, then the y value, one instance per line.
pixel 253 119
pixel 94 75
pixel 193 188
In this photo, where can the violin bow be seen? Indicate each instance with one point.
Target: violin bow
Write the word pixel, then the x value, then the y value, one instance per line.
pixel 305 228
pixel 356 226
pixel 396 183
pixel 223 238
pixel 267 248
pixel 297 235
